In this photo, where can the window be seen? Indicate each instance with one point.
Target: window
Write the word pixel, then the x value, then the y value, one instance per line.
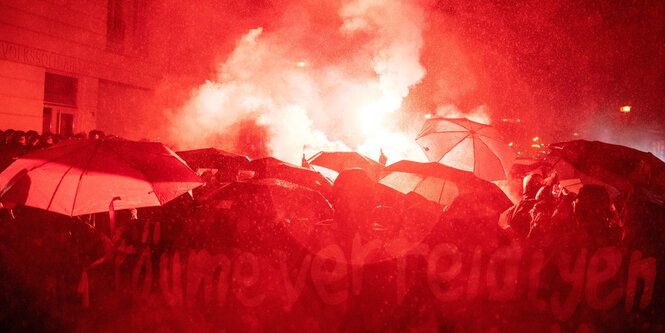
pixel 115 25
pixel 59 89
pixel 126 29
pixel 60 94
pixel 58 120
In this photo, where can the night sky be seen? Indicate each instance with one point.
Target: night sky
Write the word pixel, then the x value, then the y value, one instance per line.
pixel 555 63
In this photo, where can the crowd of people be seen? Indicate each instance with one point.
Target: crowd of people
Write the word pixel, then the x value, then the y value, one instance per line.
pixel 43 255
pixel 16 143
pixel 597 215
pixel 549 213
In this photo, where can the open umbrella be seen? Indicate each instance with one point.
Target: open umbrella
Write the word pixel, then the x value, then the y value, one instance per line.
pixel 466 145
pixel 625 168
pixel 544 166
pixel 267 213
pixel 442 184
pixel 575 184
pixel 270 198
pixel 212 158
pixel 270 167
pixel 84 177
pixel 342 160
pixel 569 177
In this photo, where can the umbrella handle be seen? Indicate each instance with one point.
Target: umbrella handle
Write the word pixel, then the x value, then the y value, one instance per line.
pixel 622 215
pixel 112 214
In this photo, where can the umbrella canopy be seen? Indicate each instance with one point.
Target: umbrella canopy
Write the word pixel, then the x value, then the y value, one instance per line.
pixel 83 177
pixel 271 198
pixel 270 167
pixel 569 177
pixel 575 184
pixel 466 145
pixel 622 167
pixel 212 158
pixel 342 160
pixel 442 184
pixel 543 166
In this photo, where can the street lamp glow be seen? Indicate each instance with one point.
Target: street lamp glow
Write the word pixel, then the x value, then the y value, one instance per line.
pixel 625 109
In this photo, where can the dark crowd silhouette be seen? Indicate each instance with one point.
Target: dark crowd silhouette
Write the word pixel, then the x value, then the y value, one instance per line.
pixel 16 143
pixel 89 272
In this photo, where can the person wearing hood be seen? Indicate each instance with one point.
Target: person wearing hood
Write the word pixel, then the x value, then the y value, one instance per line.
pixel 518 217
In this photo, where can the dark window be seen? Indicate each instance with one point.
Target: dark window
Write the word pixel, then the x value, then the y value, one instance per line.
pixel 59 89
pixel 139 29
pixel 115 25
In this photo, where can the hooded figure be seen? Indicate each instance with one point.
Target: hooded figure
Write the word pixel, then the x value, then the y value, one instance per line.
pixel 518 217
pixel 594 213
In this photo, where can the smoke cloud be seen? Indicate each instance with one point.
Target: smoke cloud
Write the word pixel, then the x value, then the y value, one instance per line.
pixel 339 97
pixel 283 76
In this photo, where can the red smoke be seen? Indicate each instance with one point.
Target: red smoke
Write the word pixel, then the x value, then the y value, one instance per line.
pixel 555 64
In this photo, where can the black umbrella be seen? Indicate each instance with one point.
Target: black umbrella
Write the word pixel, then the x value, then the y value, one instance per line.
pixel 625 168
pixel 525 166
pixel 264 215
pixel 342 160
pixel 569 177
pixel 212 158
pixel 270 198
pixel 270 167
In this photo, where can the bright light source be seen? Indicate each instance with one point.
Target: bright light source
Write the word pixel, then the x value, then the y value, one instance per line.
pixel 428 116
pixel 535 145
pixel 504 119
pixel 371 115
pixel 511 144
pixel 518 120
pixel 301 64
pixel 576 134
pixel 625 109
pixel 536 139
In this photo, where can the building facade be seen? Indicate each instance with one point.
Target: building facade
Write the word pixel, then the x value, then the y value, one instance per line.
pixel 70 66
